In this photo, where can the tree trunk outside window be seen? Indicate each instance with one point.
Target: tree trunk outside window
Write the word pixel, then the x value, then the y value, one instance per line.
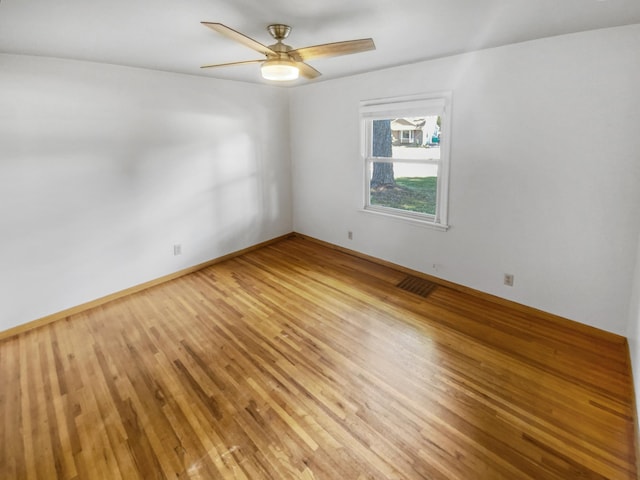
pixel 382 172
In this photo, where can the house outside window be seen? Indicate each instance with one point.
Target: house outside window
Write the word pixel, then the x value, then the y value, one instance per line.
pixel 406 145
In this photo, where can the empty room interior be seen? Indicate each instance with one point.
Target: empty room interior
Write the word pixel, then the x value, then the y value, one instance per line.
pixel 334 240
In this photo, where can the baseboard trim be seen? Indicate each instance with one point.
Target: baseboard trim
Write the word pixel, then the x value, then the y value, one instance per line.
pixel 25 327
pixel 564 322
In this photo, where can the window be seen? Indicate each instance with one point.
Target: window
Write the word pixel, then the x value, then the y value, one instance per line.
pixel 407 136
pixel 406 157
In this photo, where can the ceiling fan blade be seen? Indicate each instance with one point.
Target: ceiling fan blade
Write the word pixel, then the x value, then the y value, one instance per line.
pixel 333 49
pixel 246 62
pixel 307 71
pixel 239 37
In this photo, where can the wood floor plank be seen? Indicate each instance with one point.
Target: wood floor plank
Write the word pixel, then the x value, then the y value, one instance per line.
pixel 299 361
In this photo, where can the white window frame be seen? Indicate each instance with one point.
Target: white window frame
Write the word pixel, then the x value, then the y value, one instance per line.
pixel 405 107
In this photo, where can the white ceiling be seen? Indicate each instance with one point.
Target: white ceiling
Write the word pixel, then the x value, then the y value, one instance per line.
pixel 167 35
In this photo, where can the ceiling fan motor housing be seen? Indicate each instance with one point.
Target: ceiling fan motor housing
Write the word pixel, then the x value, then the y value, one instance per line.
pixel 279 31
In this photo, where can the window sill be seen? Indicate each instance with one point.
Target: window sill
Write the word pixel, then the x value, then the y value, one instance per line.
pixel 412 221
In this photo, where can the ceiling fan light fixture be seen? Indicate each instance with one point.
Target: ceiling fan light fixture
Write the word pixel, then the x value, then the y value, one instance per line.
pixel 279 70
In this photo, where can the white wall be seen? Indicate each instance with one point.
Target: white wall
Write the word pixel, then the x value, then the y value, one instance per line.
pixel 103 169
pixel 633 331
pixel 545 171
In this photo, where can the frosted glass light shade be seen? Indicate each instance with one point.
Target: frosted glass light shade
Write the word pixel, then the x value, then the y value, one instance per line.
pixel 279 70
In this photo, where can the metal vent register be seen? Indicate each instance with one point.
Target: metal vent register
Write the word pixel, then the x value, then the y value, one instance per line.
pixel 417 286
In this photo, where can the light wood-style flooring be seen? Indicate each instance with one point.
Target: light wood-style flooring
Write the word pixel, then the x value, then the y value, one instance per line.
pixel 297 361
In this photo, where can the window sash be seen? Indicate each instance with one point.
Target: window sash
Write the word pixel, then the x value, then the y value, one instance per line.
pixel 423 216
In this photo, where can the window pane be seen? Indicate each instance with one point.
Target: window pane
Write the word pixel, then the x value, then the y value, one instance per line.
pixel 406 138
pixel 405 186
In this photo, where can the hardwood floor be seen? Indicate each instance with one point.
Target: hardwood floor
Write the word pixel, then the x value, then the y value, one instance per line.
pixel 300 361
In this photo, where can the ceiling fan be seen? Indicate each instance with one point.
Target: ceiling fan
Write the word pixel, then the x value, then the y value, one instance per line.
pixel 282 62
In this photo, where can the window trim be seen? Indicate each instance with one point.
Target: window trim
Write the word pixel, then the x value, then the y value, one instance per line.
pixel 437 103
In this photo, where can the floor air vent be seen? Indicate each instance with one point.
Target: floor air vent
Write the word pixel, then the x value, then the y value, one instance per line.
pixel 418 286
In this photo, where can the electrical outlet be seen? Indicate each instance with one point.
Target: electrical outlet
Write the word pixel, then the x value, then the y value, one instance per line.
pixel 350 235
pixel 508 279
pixel 177 249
